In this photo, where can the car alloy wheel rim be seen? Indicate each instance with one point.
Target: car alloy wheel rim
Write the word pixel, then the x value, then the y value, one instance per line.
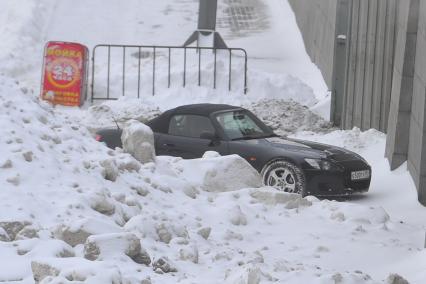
pixel 283 179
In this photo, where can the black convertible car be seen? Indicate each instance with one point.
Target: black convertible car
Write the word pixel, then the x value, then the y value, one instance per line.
pixel 287 164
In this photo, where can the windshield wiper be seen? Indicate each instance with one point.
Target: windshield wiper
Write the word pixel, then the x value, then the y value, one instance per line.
pixel 249 137
pixel 271 135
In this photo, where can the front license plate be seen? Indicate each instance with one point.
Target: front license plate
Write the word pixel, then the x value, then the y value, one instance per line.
pixel 360 175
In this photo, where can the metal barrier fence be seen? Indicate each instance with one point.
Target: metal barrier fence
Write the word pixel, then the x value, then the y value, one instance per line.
pixel 167 51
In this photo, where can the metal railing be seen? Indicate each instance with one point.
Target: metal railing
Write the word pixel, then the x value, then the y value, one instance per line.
pixel 154 51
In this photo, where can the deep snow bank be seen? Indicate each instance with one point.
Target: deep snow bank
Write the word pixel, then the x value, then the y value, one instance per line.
pixel 61 209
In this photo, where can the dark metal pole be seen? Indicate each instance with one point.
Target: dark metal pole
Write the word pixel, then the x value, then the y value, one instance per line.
pixel 109 68
pixel 184 67
pixel 153 72
pixel 169 67
pixel 124 70
pixel 93 74
pixel 199 67
pixel 214 68
pixel 245 72
pixel 230 69
pixel 139 72
pixel 207 15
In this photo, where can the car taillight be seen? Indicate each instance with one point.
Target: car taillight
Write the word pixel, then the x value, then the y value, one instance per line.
pixel 98 137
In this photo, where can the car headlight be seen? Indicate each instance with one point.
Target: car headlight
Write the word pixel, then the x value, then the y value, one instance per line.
pixel 323 165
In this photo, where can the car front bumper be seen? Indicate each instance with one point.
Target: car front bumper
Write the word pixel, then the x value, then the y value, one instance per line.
pixel 325 183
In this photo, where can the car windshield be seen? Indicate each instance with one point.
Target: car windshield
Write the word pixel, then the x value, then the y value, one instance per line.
pixel 242 125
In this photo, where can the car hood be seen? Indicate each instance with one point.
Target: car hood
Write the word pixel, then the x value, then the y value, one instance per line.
pixel 309 149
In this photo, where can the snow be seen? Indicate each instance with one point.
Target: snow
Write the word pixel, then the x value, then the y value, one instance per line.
pixel 138 141
pixel 219 174
pixel 206 220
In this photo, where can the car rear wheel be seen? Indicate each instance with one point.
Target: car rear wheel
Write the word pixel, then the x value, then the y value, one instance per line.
pixel 284 176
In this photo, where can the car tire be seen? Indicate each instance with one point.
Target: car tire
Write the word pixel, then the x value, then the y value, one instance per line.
pixel 284 176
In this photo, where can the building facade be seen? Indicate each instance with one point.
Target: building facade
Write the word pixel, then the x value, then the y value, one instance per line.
pixel 372 54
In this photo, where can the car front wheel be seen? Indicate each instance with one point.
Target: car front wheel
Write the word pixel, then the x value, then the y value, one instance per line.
pixel 284 176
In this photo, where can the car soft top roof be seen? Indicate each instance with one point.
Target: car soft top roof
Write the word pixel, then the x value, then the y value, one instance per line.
pixel 202 109
pixel 161 123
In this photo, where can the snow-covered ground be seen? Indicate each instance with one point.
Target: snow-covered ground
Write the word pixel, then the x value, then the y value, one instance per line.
pixel 74 210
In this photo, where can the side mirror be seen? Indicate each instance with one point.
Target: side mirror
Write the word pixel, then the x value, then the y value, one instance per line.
pixel 208 136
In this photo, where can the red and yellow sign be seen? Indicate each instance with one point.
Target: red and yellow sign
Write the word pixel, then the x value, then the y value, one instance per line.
pixel 64 73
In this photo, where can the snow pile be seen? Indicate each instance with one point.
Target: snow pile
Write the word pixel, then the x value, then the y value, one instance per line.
pixel 355 139
pixel 138 141
pixel 102 247
pixel 74 210
pixel 214 173
pixel 288 116
pixel 261 85
pixel 107 114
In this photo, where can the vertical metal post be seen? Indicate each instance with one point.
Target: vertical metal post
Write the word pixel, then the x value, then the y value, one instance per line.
pixel 153 72
pixel 245 72
pixel 343 122
pixel 109 68
pixel 169 68
pixel 207 15
pixel 139 72
pixel 214 68
pixel 124 70
pixel 341 39
pixel 199 67
pixel 230 69
pixel 184 67
pixel 93 75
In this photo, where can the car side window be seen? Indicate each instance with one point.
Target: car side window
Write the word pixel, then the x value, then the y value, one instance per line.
pixel 189 125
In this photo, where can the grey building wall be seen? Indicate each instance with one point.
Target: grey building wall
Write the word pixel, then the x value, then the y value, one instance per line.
pixel 317 22
pixel 370 51
pixel 352 42
pixel 383 43
pixel 417 138
pixel 397 143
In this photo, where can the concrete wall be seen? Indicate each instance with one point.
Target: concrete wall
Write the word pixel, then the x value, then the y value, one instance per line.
pixel 383 46
pixel 417 138
pixel 352 42
pixel 317 21
pixel 397 144
pixel 370 51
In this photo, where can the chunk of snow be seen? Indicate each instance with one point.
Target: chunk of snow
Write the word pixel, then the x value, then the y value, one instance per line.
pixel 396 279
pixel 220 174
pixel 138 140
pixel 164 233
pixel 237 217
pixel 163 265
pixel 12 228
pixel 205 232
pixel 189 253
pixel 110 169
pixel 42 270
pixel 102 204
pixel 106 246
pixel 272 197
pixel 78 232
